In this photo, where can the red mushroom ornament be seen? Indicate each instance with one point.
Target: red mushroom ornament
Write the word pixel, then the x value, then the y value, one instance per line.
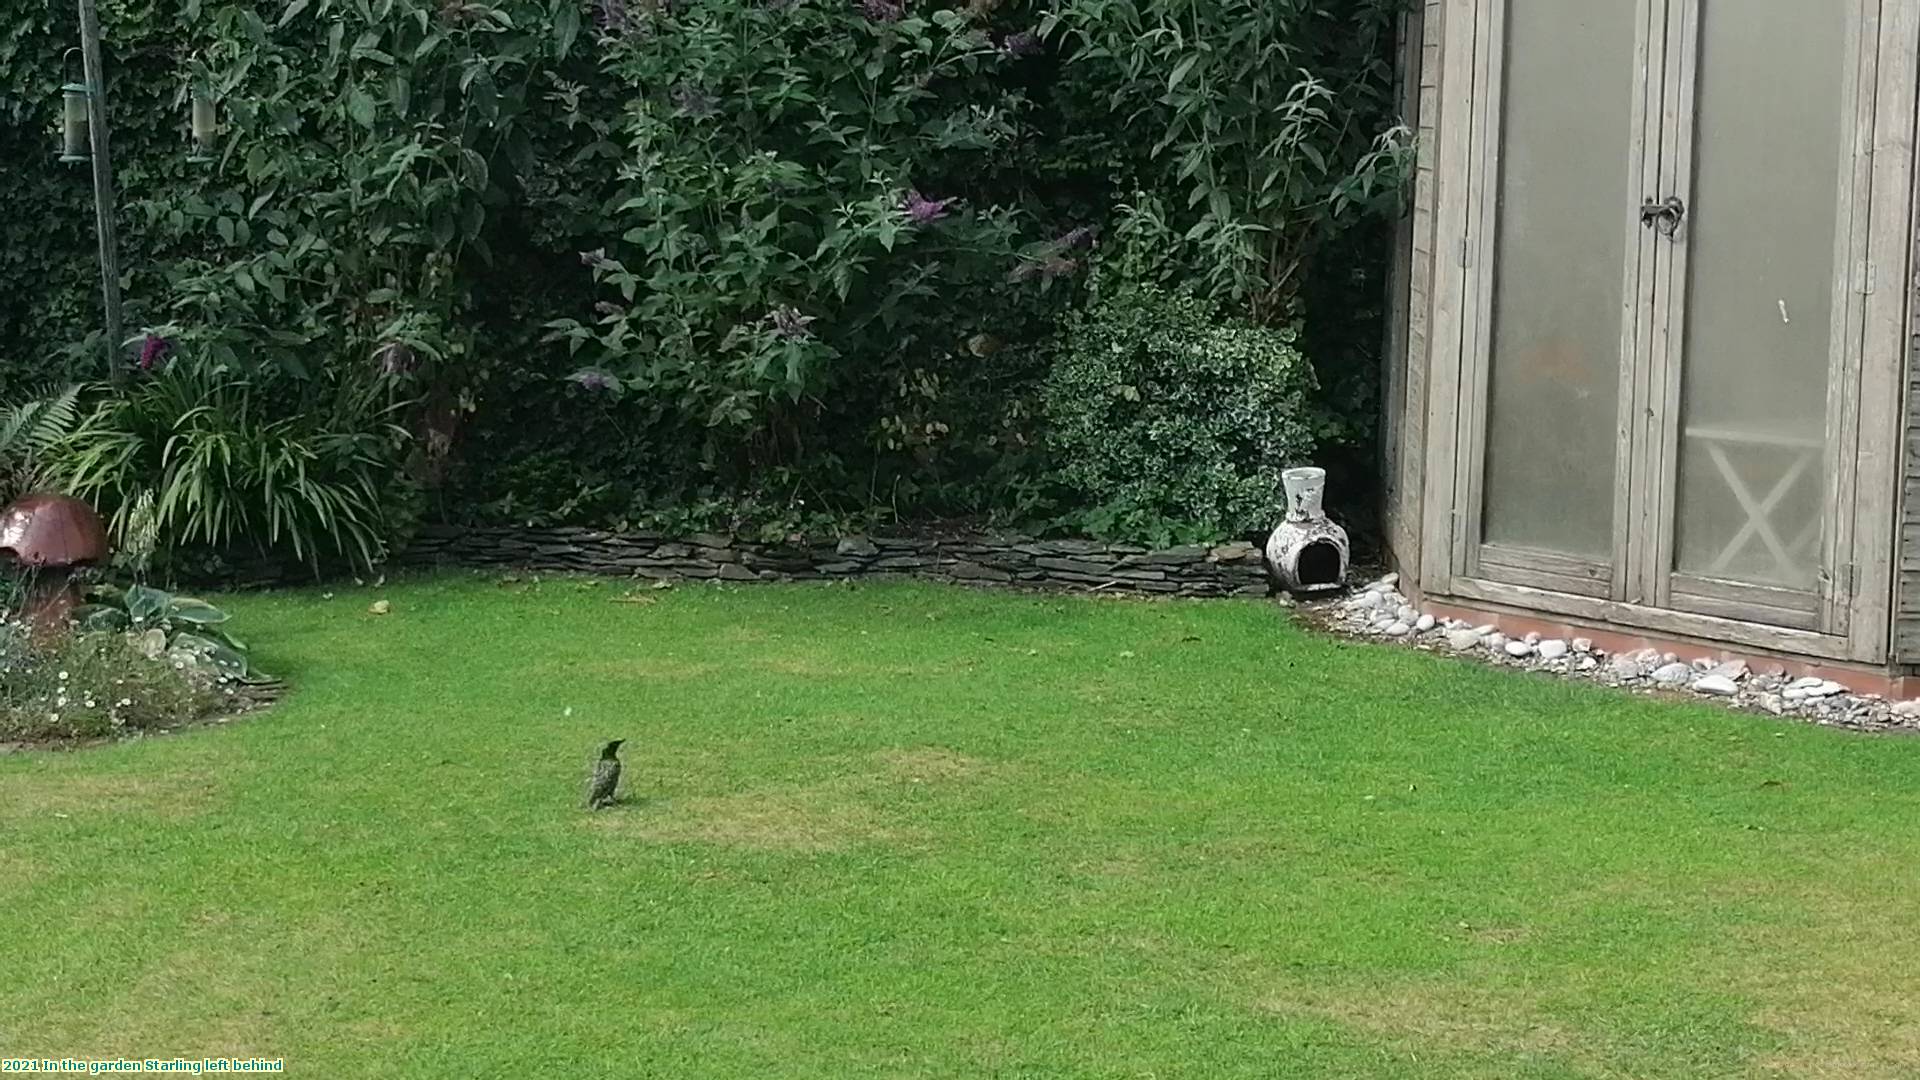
pixel 52 537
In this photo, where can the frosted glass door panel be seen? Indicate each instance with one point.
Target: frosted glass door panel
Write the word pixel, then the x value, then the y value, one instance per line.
pixel 1564 201
pixel 1760 232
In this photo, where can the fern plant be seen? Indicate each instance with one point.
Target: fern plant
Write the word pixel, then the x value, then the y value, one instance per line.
pixel 30 433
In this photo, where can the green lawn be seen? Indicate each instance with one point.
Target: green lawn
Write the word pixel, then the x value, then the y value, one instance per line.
pixel 924 832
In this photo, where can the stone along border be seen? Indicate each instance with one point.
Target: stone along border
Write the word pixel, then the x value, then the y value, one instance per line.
pixel 1236 569
pixel 1381 612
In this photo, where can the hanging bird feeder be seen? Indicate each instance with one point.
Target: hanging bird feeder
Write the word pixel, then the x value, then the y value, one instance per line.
pixel 203 123
pixel 75 129
pixel 205 127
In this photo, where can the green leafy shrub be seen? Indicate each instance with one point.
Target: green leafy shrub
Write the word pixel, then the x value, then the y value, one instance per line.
pixel 195 455
pixel 1171 422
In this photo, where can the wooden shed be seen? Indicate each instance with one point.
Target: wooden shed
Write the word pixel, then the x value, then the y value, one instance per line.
pixel 1651 369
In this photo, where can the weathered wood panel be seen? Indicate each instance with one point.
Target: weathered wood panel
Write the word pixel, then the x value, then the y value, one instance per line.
pixel 1906 622
pixel 1886 395
pixel 1404 434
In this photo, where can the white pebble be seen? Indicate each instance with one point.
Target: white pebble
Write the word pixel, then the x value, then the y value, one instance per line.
pixel 1424 623
pixel 1718 685
pixel 1673 673
pixel 1732 669
pixel 1517 649
pixel 1552 649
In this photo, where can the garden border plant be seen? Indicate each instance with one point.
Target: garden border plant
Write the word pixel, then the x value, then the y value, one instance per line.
pixel 837 311
pixel 138 660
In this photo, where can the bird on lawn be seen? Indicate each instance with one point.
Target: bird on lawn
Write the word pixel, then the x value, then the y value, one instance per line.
pixel 606 776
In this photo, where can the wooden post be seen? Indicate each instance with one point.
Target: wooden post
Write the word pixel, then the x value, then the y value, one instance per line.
pixel 102 177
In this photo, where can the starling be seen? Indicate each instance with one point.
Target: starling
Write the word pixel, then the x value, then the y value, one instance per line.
pixel 606 776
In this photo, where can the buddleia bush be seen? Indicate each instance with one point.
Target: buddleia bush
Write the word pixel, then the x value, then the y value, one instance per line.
pixel 1172 423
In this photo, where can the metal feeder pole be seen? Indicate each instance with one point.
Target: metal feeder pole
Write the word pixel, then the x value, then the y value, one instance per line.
pixel 102 176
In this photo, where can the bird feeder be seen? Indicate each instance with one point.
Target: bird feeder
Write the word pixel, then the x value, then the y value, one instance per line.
pixel 52 537
pixel 203 121
pixel 75 126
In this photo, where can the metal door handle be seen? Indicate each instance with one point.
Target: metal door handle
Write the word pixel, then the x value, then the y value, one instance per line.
pixel 1665 217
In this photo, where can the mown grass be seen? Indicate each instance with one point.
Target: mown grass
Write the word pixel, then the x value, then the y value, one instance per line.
pixel 923 832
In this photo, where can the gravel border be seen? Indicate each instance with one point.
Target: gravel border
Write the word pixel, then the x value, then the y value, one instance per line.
pixel 1380 612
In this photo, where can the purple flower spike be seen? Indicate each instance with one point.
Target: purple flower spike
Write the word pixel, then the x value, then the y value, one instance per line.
pixel 883 11
pixel 1020 43
pixel 153 352
pixel 921 210
pixel 1078 238
pixel 394 358
pixel 692 101
pixel 612 17
pixel 1053 266
pixel 789 323
pixel 595 381
pixel 594 257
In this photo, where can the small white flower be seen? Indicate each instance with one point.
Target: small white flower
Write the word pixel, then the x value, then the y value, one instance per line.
pixel 63 676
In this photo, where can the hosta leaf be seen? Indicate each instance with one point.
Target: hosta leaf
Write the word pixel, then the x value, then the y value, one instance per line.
pixel 146 604
pixel 199 612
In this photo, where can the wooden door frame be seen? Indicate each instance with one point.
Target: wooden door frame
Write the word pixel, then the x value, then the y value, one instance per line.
pixel 1455 371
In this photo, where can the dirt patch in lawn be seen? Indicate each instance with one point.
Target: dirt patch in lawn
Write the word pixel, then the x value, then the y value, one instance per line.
pixel 930 764
pixel 801 820
pixel 654 667
pixel 1450 1018
pixel 71 793
pixel 810 665
pixel 192 1002
pixel 835 814
pixel 1831 987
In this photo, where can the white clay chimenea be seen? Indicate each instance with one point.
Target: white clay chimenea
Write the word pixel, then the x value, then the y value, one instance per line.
pixel 1307 554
